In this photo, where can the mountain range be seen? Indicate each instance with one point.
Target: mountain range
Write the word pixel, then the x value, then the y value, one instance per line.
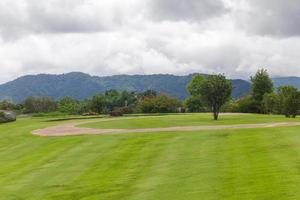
pixel 80 86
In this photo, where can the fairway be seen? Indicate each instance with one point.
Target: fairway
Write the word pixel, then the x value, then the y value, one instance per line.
pixel 208 164
pixel 164 121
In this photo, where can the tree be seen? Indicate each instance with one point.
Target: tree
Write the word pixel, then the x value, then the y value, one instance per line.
pixel 68 105
pixel 159 104
pixel 149 93
pixel 7 105
pixel 39 104
pixel 261 84
pixel 194 87
pixel 112 98
pixel 128 99
pixel 247 105
pixel 289 98
pixel 270 103
pixel 98 103
pixel 195 104
pixel 215 90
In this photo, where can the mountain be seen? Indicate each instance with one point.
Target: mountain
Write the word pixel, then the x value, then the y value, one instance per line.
pixel 80 86
pixel 280 81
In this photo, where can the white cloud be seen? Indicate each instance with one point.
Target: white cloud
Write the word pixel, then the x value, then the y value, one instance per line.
pixel 143 36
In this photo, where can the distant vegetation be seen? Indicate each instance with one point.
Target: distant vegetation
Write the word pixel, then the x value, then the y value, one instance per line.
pixel 212 91
pixel 81 86
pixel 207 94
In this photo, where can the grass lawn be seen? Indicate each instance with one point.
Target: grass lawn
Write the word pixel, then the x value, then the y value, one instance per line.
pixel 184 120
pixel 220 164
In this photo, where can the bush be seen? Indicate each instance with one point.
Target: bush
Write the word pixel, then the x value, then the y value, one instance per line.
pixel 39 104
pixel 69 105
pixel 270 103
pixel 116 114
pixel 159 104
pixel 195 104
pixel 126 110
pixel 289 100
pixel 230 106
pixel 248 105
pixel 89 114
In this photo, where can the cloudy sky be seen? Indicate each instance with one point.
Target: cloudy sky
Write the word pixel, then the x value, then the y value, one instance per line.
pixel 105 37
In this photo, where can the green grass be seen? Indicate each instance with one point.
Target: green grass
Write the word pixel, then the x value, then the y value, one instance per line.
pixel 220 164
pixel 184 120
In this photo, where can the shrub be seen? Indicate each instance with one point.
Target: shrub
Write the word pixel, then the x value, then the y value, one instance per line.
pixel 159 104
pixel 230 106
pixel 270 103
pixel 69 105
pixel 116 114
pixel 39 104
pixel 89 114
pixel 289 100
pixel 195 104
pixel 126 110
pixel 247 105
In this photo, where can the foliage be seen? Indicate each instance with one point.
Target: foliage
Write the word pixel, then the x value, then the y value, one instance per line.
pixel 195 104
pixel 247 105
pixel 7 105
pixel 116 114
pixel 230 106
pixel 270 103
pixel 148 93
pixel 98 103
pixel 69 105
pixel 159 104
pixel 289 100
pixel 39 104
pixel 81 86
pixel 194 87
pixel 215 90
pixel 261 84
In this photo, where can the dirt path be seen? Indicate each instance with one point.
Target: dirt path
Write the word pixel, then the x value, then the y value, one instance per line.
pixel 71 129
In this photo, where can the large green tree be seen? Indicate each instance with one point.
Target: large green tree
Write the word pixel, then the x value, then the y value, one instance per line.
pixel 39 104
pixel 68 105
pixel 98 103
pixel 261 84
pixel 215 90
pixel 195 102
pixel 270 103
pixel 289 100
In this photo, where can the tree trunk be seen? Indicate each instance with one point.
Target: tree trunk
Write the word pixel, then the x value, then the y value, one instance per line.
pixel 216 116
pixel 216 113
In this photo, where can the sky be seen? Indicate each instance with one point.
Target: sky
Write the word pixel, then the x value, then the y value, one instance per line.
pixel 108 37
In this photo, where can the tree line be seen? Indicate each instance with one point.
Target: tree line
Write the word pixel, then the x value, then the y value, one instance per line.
pixel 207 94
pixel 122 102
pixel 264 98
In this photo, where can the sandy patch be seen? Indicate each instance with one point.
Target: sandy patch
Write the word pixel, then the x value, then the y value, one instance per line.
pixel 72 129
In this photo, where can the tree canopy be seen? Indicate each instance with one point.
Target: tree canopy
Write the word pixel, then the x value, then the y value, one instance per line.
pixel 214 90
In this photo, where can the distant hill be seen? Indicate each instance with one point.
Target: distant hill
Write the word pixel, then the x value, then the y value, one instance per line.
pixel 280 81
pixel 80 86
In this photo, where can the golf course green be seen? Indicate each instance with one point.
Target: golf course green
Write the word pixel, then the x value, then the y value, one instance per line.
pixel 228 164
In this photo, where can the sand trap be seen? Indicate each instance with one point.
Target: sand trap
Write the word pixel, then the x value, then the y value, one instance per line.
pixel 69 129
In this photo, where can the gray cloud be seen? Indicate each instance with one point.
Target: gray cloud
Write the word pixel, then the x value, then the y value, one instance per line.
pixel 108 37
pixel 271 17
pixel 24 17
pixel 186 10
